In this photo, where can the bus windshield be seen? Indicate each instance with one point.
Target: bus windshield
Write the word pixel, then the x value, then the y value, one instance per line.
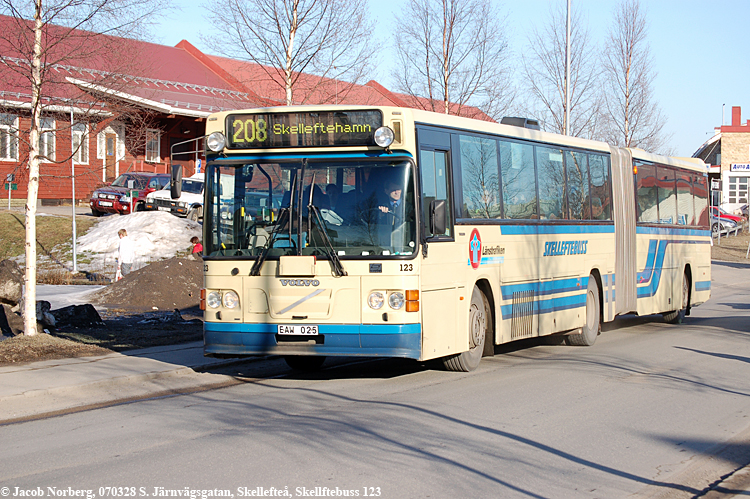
pixel 364 208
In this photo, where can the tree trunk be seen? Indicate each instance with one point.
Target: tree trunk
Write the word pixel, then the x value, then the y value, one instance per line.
pixel 290 52
pixel 29 313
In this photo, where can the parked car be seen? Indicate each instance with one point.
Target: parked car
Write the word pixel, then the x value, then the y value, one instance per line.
pixel 726 224
pixel 189 204
pixel 127 193
pixel 718 212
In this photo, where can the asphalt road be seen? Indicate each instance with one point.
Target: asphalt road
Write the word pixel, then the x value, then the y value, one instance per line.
pixel 651 410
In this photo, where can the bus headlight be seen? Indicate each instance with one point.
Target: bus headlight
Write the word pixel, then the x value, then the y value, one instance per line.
pixel 230 299
pixel 213 299
pixel 375 300
pixel 396 300
pixel 383 136
pixel 216 142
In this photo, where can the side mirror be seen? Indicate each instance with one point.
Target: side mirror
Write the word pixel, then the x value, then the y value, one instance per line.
pixel 438 217
pixel 176 183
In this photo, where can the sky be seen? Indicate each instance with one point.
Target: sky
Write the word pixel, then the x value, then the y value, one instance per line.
pixel 700 50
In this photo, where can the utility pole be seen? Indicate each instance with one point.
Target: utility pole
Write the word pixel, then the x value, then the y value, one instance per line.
pixel 73 184
pixel 567 73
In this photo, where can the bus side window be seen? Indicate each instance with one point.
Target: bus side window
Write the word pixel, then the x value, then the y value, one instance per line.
pixel 434 168
pixel 646 200
pixel 518 180
pixel 601 187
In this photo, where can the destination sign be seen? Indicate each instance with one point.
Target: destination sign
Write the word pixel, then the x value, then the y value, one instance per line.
pixel 310 129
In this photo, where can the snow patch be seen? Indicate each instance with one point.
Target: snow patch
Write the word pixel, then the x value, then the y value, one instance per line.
pixel 156 235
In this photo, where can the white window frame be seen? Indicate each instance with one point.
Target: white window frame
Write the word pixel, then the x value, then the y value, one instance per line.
pixel 47 139
pixel 80 141
pixel 153 154
pixel 9 128
pixel 80 156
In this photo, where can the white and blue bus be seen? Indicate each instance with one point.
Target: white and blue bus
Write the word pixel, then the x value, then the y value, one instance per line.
pixel 383 231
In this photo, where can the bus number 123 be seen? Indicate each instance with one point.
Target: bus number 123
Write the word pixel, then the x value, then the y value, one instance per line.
pixel 250 131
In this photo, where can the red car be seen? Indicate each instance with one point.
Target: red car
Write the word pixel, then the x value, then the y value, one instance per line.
pixel 127 193
pixel 719 213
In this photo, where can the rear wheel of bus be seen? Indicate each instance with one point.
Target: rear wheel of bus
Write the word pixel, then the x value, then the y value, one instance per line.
pixel 479 315
pixel 593 325
pixel 304 362
pixel 677 316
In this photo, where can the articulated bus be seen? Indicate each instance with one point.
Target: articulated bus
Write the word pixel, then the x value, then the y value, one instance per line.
pixel 384 231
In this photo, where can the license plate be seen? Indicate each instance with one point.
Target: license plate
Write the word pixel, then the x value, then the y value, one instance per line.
pixel 299 330
pixel 105 203
pixel 164 208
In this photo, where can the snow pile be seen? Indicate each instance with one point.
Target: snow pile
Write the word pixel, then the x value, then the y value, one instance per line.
pixel 156 235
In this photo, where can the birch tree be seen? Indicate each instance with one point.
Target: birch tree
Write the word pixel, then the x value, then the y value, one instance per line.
pixel 43 37
pixel 453 51
pixel 544 72
pixel 293 39
pixel 633 118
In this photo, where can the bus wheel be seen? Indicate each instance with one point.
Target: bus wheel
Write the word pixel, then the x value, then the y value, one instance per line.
pixel 677 316
pixel 592 327
pixel 478 316
pixel 304 362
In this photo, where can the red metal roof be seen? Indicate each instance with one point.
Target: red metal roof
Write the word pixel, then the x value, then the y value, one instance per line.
pixel 176 80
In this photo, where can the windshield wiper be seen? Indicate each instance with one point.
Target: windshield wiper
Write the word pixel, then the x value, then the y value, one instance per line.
pixel 338 269
pixel 283 219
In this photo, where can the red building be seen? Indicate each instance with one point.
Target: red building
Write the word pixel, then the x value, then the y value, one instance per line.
pixel 125 106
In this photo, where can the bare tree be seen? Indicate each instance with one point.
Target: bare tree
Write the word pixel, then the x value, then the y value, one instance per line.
pixel 544 72
pixel 633 117
pixel 454 51
pixel 40 44
pixel 294 39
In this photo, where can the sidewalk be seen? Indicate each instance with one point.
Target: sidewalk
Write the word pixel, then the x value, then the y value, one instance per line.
pixel 46 387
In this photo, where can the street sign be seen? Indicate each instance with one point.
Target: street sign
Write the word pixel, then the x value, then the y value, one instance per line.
pixel 715 184
pixel 10 177
pixel 13 187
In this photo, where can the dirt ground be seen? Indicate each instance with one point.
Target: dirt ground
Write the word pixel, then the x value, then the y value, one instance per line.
pixel 154 306
pixel 731 249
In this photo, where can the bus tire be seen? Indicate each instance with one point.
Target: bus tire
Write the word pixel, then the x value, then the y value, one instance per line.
pixel 304 362
pixel 479 314
pixel 677 316
pixel 593 325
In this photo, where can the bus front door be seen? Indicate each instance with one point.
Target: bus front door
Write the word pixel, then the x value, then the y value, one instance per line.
pixel 441 288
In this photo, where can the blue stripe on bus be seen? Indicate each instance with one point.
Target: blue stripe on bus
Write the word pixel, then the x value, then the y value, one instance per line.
pixel 390 340
pixel 702 285
pixel 549 305
pixel 546 287
pixel 672 231
pixel 651 275
pixel 514 230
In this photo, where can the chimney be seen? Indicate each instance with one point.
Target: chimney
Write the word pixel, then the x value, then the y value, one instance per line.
pixel 736 116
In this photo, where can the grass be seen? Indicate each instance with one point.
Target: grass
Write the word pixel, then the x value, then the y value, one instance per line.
pixel 51 231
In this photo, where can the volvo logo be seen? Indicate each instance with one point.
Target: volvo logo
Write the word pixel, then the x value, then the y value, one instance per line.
pixel 300 282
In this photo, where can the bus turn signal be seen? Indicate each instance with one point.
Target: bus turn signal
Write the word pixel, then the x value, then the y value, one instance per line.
pixel 412 300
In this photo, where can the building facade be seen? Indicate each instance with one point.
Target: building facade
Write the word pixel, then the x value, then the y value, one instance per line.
pixel 728 154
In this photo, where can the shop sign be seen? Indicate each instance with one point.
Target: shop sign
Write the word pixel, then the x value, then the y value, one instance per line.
pixel 740 167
